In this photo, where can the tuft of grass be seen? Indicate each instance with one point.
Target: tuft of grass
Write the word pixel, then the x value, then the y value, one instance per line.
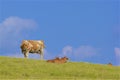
pixel 19 68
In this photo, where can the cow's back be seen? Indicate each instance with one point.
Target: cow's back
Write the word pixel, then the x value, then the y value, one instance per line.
pixel 35 44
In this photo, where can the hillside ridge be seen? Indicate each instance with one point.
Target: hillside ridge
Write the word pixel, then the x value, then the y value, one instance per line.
pixel 20 68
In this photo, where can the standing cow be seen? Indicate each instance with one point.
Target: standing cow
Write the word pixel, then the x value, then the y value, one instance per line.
pixel 32 46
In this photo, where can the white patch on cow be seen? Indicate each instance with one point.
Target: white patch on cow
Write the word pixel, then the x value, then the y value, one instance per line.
pixel 40 42
pixel 26 41
pixel 30 44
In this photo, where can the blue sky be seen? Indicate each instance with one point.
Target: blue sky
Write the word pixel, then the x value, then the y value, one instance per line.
pixel 83 30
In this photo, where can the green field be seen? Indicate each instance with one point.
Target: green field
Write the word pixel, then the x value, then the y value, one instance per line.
pixel 19 68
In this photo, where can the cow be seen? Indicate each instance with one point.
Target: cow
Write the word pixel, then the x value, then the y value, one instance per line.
pixel 53 60
pixel 64 60
pixel 58 60
pixel 32 46
pixel 110 64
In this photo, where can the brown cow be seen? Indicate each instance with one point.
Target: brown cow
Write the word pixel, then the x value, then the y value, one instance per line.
pixel 32 46
pixel 110 64
pixel 58 60
pixel 53 60
pixel 64 60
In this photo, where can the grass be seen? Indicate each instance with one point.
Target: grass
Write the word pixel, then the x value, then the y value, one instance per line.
pixel 19 68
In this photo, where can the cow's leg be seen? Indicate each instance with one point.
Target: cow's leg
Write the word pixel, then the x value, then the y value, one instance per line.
pixel 41 54
pixel 26 54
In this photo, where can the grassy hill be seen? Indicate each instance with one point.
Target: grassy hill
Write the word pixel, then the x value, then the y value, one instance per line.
pixel 19 68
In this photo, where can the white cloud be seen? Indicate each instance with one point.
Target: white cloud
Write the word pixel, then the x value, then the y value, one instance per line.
pixel 85 51
pixel 80 52
pixel 67 50
pixel 16 24
pixel 117 53
pixel 14 29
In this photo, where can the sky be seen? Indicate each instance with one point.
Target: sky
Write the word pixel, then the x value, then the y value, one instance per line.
pixel 83 30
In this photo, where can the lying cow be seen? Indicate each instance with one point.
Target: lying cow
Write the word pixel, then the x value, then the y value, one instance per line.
pixel 53 60
pixel 32 46
pixel 64 60
pixel 58 60
pixel 110 64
